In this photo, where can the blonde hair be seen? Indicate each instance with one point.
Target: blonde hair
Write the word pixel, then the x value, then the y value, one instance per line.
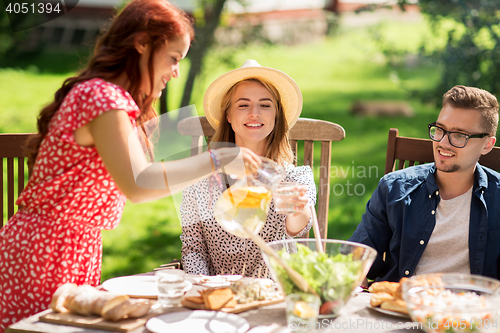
pixel 278 144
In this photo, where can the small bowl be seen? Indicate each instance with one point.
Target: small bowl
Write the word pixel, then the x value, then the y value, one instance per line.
pixel 334 279
pixel 445 302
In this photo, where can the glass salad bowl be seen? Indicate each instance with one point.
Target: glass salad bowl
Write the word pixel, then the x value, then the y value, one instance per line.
pixel 334 274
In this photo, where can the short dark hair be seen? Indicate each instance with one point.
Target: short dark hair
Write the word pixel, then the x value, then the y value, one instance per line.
pixel 475 99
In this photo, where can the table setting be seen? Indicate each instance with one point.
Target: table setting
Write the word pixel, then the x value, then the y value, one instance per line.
pixel 356 315
pixel 315 286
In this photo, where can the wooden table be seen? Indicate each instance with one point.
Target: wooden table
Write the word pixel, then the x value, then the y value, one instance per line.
pixel 355 318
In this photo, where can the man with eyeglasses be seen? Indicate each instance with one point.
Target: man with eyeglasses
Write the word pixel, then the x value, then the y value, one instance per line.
pixel 442 216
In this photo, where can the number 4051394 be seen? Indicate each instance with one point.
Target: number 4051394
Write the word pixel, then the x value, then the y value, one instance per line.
pixel 25 8
pixel 472 325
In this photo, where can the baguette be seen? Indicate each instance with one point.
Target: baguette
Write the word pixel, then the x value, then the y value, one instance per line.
pixel 86 300
pixel 59 297
pixel 397 305
pixel 115 312
pixel 80 300
pixel 379 298
pixel 142 308
pixel 106 299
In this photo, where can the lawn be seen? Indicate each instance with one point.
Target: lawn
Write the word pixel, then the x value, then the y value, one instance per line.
pixel 332 73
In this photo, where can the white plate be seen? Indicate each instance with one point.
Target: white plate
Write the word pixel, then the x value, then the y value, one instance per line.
pixel 389 312
pixel 217 280
pixel 136 286
pixel 198 321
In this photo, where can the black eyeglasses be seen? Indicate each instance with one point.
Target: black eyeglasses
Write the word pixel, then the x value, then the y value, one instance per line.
pixel 456 139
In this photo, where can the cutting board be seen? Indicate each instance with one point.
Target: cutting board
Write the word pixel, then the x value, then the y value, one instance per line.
pixel 71 319
pixel 238 308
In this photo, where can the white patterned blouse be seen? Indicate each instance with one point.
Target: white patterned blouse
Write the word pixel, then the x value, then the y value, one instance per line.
pixel 208 249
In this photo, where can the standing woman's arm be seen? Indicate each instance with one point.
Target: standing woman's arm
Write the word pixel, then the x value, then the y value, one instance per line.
pixel 121 151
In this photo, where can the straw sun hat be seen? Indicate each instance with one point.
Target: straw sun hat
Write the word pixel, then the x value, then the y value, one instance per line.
pixel 289 91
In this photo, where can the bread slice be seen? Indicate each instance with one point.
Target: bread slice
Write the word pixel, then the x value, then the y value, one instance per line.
pixel 231 304
pixel 384 286
pixel 215 299
pixel 102 299
pixel 399 291
pixel 80 300
pixel 194 299
pixel 397 305
pixel 117 311
pixel 142 308
pixel 379 298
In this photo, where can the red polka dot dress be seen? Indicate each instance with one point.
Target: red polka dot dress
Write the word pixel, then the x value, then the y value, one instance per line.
pixel 56 236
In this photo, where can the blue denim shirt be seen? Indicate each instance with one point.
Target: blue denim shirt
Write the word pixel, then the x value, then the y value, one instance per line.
pixel 400 218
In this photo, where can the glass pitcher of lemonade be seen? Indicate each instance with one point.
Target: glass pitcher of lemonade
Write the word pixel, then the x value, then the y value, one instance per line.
pixel 246 203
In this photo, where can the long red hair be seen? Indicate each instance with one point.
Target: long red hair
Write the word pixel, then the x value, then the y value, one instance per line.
pixel 115 53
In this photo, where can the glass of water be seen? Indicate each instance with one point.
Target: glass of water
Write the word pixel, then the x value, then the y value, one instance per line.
pixel 171 284
pixel 284 196
pixel 302 312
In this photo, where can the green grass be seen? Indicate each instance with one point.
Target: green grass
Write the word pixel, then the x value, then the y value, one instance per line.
pixel 332 74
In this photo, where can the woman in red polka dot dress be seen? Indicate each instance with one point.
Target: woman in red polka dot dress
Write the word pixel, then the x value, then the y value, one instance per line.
pixel 84 163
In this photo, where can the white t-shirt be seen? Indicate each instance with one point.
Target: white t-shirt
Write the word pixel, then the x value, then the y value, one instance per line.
pixel 448 247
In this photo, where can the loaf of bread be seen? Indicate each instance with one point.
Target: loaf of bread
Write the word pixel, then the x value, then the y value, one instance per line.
pixel 87 300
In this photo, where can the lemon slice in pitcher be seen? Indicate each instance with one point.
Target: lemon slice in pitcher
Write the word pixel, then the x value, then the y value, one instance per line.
pixel 247 197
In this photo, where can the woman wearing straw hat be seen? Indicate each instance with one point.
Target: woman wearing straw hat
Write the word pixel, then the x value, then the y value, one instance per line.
pixel 252 107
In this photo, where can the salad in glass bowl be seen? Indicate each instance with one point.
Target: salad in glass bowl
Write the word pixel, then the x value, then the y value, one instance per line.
pixel 334 274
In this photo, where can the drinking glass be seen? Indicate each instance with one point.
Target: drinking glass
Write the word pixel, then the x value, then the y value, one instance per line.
pixel 171 284
pixel 302 311
pixel 284 195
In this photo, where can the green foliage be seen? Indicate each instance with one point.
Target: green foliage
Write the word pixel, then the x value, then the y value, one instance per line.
pixel 147 237
pixel 471 52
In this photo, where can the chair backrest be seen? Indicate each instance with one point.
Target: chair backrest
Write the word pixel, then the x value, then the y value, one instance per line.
pixel 403 152
pixel 306 130
pixel 12 156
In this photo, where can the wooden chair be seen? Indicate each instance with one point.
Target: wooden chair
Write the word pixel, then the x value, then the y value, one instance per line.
pixel 12 152
pixel 306 130
pixel 404 152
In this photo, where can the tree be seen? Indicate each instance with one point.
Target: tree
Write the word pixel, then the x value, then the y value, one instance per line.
pixel 472 53
pixel 204 32
pixel 207 18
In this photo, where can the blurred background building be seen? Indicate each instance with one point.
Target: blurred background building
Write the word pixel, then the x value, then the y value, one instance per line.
pixel 275 21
